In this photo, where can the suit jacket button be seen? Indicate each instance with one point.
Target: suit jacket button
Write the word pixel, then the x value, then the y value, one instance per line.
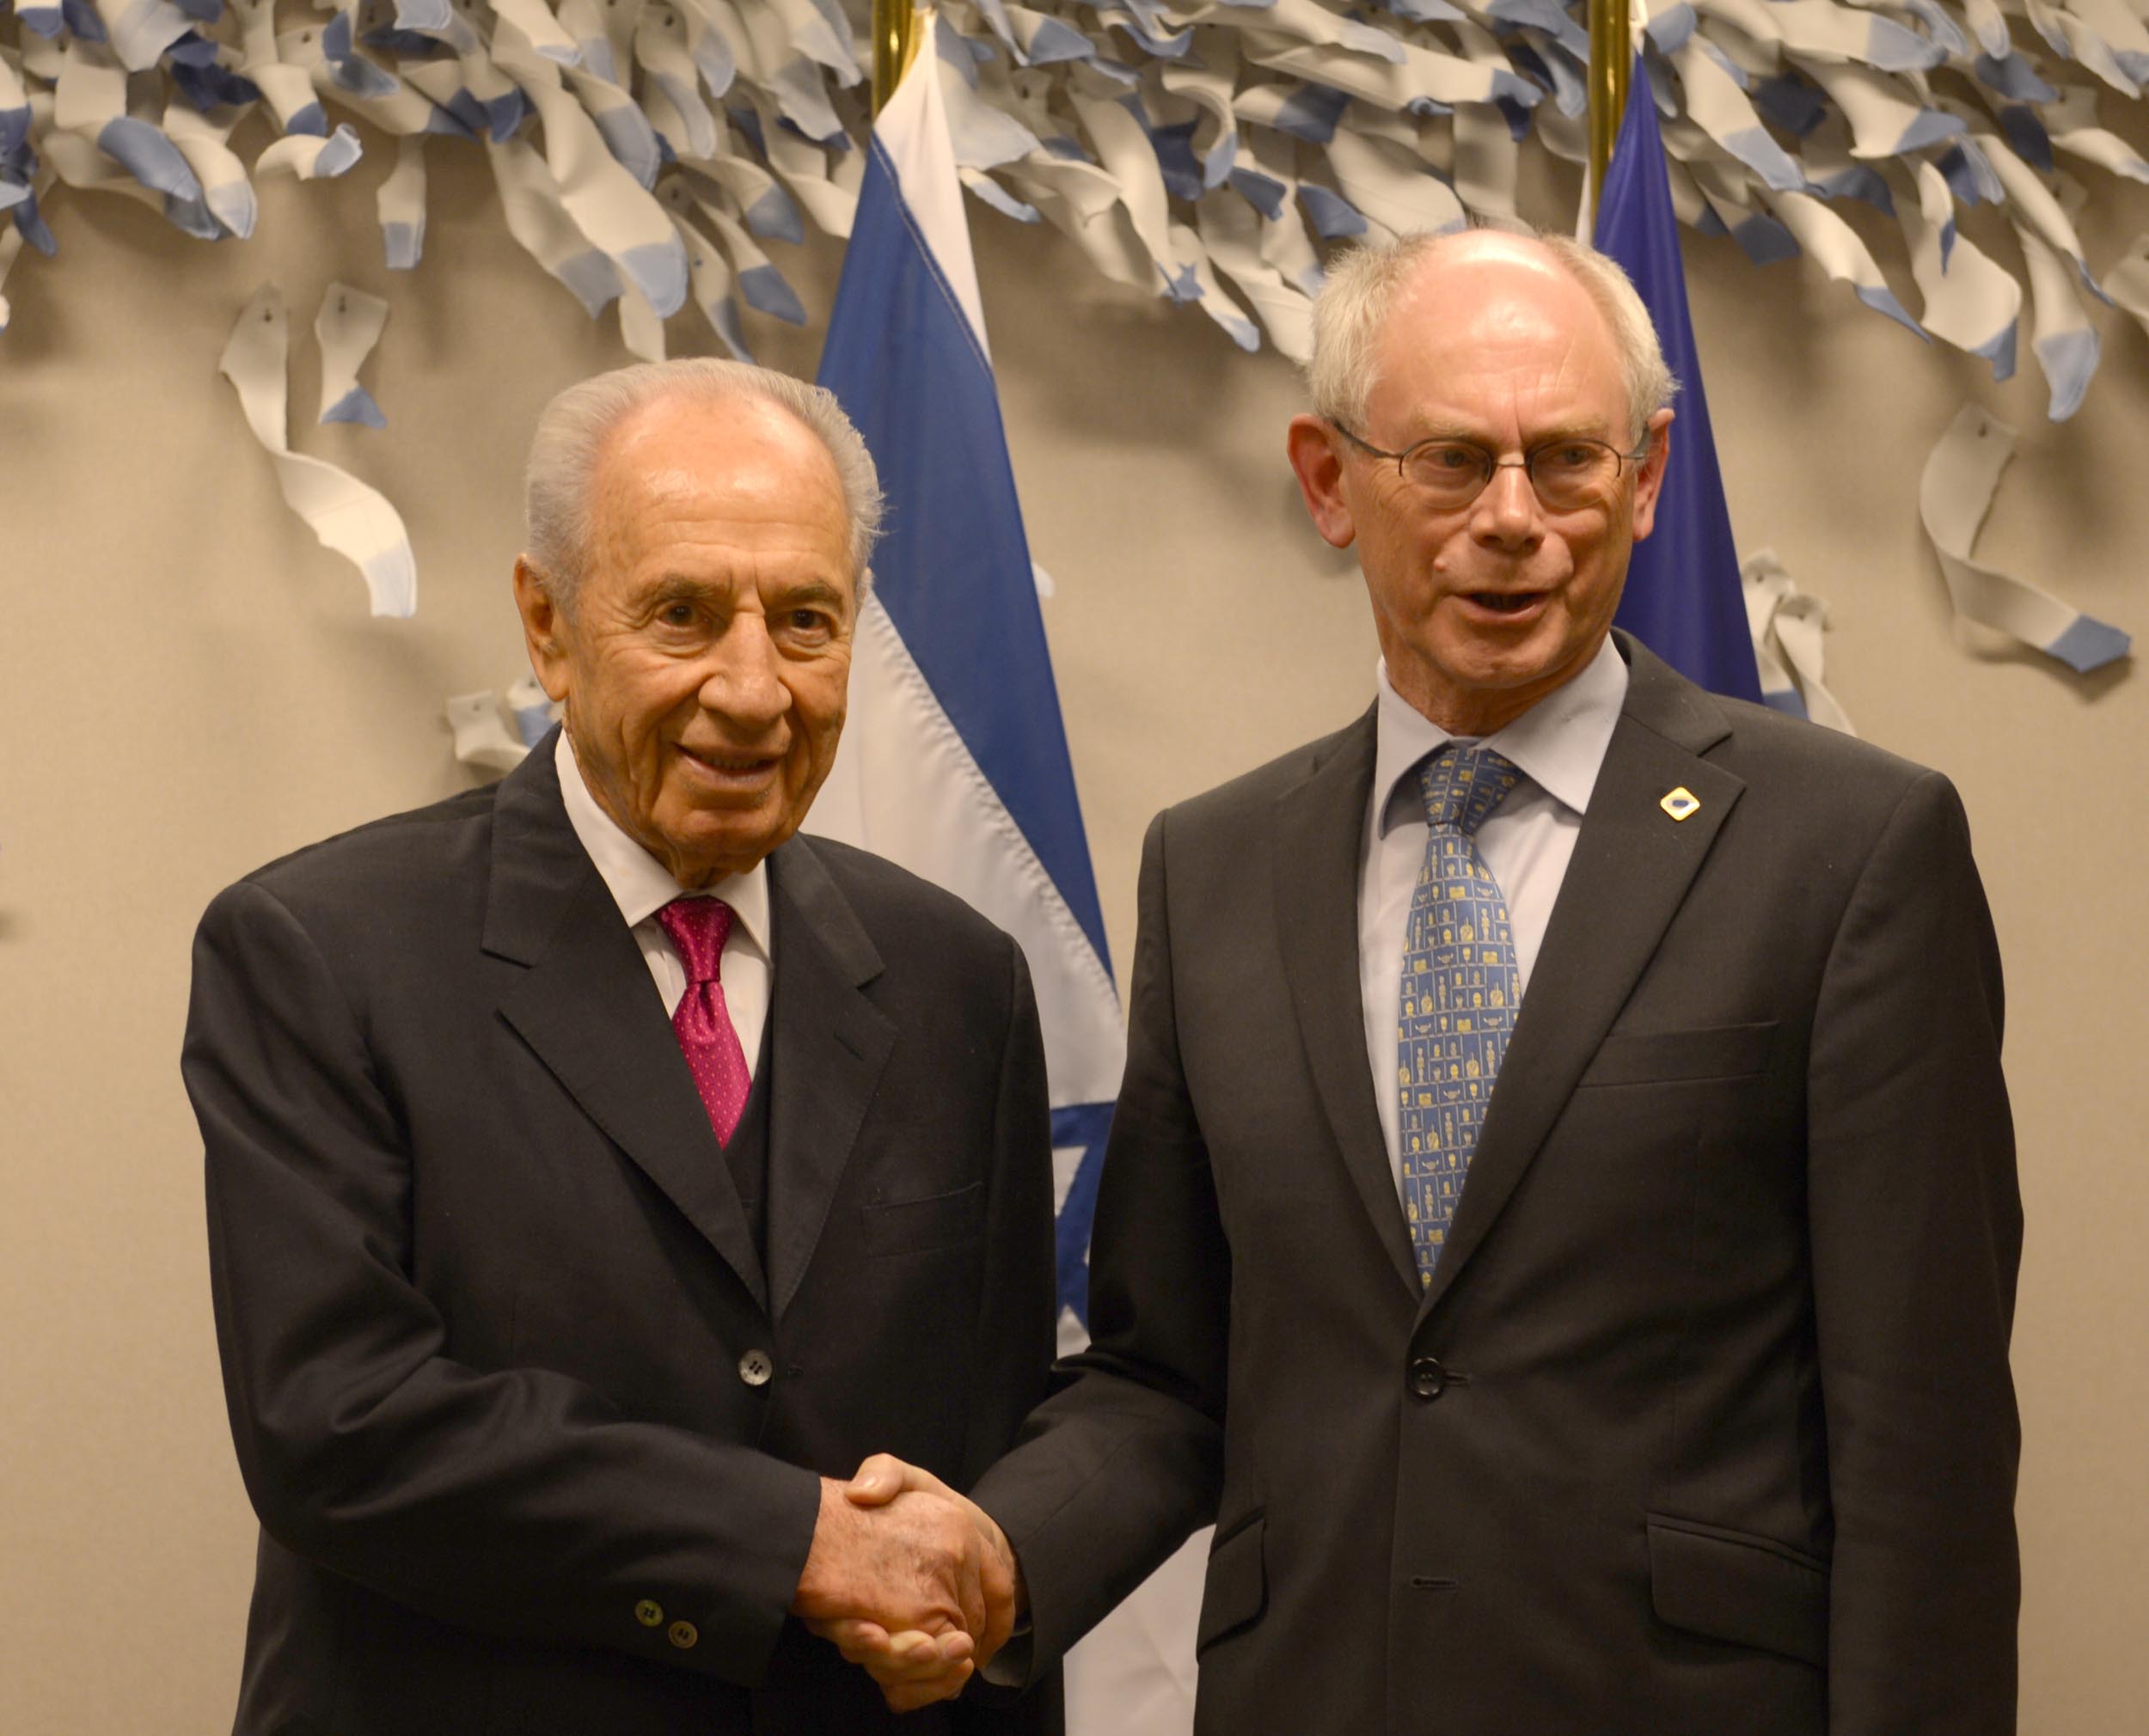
pixel 649 1614
pixel 1427 1378
pixel 683 1635
pixel 754 1369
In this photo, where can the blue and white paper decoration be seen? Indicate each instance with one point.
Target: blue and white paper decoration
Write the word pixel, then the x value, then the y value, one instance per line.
pixel 1202 151
pixel 484 740
pixel 1961 476
pixel 1786 626
pixel 347 328
pixel 348 516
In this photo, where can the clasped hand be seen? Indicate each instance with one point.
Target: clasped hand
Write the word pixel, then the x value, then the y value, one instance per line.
pixel 909 1580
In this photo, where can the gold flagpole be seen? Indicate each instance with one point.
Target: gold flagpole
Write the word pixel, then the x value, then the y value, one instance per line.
pixel 895 40
pixel 1611 60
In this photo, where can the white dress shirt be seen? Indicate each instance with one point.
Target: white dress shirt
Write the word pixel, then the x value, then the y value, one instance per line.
pixel 1558 745
pixel 641 886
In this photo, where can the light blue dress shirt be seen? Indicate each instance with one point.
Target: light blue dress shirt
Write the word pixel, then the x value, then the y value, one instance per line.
pixel 1558 745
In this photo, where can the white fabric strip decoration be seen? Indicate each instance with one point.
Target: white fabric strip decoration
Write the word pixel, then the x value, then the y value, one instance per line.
pixel 604 201
pixel 1836 248
pixel 709 275
pixel 349 517
pixel 1787 627
pixel 401 205
pixel 2128 281
pixel 10 244
pixel 205 144
pixel 289 90
pixel 1970 302
pixel 307 158
pixel 347 327
pixel 1954 495
pixel 482 741
pixel 2066 344
pixel 140 31
pixel 1716 103
pixel 530 201
pixel 825 187
pixel 640 328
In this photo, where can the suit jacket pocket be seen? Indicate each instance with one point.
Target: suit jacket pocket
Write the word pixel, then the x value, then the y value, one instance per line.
pixel 1236 1591
pixel 1731 1585
pixel 919 1226
pixel 1667 1057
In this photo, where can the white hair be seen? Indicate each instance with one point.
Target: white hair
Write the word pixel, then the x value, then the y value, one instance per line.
pixel 573 429
pixel 1361 285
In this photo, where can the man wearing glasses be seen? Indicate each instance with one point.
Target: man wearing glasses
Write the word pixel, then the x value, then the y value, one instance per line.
pixel 1561 1220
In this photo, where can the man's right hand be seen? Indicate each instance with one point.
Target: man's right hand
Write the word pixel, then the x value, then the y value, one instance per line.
pixel 909 1580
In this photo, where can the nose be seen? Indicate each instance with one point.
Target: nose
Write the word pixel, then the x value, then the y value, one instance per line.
pixel 1507 513
pixel 743 682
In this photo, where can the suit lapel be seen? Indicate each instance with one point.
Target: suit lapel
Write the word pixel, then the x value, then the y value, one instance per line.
pixel 830 1046
pixel 1319 824
pixel 584 1004
pixel 1630 872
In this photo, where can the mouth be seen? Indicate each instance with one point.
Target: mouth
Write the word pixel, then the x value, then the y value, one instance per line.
pixel 724 769
pixel 1506 605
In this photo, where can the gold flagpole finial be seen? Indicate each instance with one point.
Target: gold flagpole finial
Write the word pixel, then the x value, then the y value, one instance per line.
pixel 1611 60
pixel 900 26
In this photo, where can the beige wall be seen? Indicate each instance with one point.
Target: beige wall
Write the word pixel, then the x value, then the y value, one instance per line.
pixel 191 686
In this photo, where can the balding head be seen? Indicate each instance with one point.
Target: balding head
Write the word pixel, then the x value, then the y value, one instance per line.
pixel 1364 284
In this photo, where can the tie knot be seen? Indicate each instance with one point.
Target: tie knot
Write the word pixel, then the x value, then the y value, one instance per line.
pixel 1462 786
pixel 698 927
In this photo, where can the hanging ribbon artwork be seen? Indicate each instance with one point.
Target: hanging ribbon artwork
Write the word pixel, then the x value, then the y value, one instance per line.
pixel 656 155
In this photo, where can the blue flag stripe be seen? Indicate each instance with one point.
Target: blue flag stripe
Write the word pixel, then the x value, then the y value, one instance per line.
pixel 954 570
pixel 1086 1126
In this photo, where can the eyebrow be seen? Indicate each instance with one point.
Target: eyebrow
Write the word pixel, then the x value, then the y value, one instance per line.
pixel 680 588
pixel 813 591
pixel 677 587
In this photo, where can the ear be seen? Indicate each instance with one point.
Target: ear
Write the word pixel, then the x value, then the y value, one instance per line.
pixel 1317 461
pixel 544 629
pixel 1650 480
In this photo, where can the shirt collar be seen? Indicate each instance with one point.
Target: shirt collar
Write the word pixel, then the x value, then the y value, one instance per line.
pixel 639 884
pixel 1558 743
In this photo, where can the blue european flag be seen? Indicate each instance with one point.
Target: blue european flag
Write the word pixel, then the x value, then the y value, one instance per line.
pixel 1683 597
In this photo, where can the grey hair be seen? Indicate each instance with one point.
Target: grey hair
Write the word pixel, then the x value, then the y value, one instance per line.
pixel 573 428
pixel 1362 284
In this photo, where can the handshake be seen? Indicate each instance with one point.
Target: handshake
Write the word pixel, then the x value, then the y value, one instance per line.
pixel 910 1580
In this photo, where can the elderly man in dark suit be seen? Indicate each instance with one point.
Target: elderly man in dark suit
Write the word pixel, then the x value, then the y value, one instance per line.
pixel 1561 1219
pixel 597 1170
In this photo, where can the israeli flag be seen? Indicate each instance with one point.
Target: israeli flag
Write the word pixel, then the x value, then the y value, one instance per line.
pixel 954 760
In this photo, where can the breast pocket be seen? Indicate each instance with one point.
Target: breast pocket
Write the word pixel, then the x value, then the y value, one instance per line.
pixel 924 1225
pixel 1674 1057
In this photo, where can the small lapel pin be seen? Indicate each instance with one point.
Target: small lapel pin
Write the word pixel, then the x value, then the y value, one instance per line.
pixel 1682 803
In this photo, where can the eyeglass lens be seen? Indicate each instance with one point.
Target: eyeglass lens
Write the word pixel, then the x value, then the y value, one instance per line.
pixel 1566 475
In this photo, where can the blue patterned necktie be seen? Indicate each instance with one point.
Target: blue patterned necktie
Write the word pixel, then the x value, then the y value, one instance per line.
pixel 1458 998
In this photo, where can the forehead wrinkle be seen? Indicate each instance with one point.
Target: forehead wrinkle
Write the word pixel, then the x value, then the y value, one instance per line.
pixel 1510 336
pixel 746 486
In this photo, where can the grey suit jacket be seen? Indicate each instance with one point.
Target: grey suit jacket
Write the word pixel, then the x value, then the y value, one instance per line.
pixel 496 1336
pixel 1704 1424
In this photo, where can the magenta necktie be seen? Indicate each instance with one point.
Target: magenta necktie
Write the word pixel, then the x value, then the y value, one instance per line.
pixel 701 1022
